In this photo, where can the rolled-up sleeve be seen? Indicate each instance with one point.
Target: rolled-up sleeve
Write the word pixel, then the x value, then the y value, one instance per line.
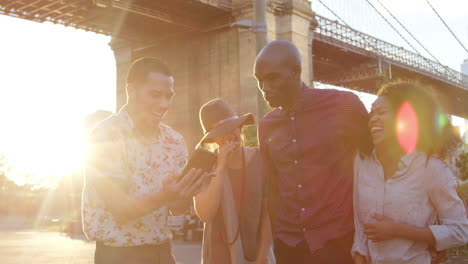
pixel 360 239
pixel 453 228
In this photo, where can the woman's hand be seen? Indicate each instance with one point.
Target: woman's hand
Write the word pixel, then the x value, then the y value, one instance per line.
pixel 360 259
pixel 224 153
pixel 382 229
pixel 437 256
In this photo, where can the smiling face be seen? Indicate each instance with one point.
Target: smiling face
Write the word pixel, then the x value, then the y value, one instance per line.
pixel 381 121
pixel 151 99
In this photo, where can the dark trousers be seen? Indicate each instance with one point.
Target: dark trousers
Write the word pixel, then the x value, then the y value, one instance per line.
pixel 336 251
pixel 147 254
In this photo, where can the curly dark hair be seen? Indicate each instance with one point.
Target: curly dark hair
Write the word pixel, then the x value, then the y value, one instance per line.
pixel 436 136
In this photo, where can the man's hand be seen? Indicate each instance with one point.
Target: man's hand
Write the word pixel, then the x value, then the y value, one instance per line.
pixel 383 229
pixel 191 184
pixel 437 256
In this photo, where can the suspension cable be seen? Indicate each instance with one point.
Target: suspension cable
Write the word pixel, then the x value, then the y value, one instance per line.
pixel 407 31
pixel 447 26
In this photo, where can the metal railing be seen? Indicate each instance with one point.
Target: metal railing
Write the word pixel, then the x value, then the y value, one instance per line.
pixel 334 33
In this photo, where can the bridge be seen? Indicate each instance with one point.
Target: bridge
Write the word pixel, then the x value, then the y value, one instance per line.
pixel 349 58
pixel 212 53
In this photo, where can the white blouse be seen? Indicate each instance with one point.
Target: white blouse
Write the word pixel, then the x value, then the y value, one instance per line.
pixel 416 194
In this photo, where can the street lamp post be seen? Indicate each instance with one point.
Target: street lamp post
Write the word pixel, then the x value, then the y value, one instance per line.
pixel 259 27
pixel 260 30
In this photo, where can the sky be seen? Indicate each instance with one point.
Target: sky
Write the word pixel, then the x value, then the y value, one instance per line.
pixel 53 76
pixel 418 17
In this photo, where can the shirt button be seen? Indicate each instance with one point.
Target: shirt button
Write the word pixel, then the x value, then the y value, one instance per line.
pixel 303 229
pixel 295 161
pixel 302 209
pixel 292 117
pixel 294 140
pixel 299 186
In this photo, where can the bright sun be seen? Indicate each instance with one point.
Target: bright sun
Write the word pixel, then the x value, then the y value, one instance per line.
pixel 52 78
pixel 40 149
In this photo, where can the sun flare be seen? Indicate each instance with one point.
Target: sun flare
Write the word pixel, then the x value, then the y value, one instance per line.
pixel 52 78
pixel 41 149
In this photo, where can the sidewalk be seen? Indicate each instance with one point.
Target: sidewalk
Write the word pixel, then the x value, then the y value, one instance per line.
pixel 40 247
pixel 15 223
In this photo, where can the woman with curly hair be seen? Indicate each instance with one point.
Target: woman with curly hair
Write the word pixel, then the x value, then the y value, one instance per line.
pixel 405 198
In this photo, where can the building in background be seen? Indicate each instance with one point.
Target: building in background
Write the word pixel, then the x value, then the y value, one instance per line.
pixel 465 135
pixel 464 126
pixel 464 70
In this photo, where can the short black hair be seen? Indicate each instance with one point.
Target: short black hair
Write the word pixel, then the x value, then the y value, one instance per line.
pixel 140 69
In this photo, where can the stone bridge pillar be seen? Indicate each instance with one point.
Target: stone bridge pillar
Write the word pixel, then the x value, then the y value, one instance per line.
pixel 291 20
pixel 218 62
pixel 294 21
pixel 123 59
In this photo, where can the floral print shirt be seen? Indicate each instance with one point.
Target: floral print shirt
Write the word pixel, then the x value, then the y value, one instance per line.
pixel 117 152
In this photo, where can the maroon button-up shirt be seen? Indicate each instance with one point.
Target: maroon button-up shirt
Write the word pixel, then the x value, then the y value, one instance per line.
pixel 308 155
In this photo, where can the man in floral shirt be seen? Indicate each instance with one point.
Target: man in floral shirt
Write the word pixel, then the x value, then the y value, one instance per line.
pixel 131 168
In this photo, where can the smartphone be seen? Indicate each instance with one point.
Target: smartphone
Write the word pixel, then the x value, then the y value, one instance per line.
pixel 200 159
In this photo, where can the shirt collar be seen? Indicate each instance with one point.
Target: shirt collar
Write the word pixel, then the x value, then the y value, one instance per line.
pixel 299 105
pixel 406 161
pixel 126 119
pixel 129 124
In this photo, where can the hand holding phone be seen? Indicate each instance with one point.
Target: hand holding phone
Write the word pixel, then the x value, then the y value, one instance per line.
pixel 195 176
pixel 200 159
pixel 188 186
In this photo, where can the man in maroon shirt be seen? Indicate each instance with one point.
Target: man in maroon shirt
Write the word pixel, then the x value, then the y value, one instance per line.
pixel 308 143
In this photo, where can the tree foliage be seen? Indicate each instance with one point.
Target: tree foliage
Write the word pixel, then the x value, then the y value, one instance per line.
pixel 462 165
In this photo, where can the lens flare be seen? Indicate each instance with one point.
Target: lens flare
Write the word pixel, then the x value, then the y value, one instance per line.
pixel 440 122
pixel 407 127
